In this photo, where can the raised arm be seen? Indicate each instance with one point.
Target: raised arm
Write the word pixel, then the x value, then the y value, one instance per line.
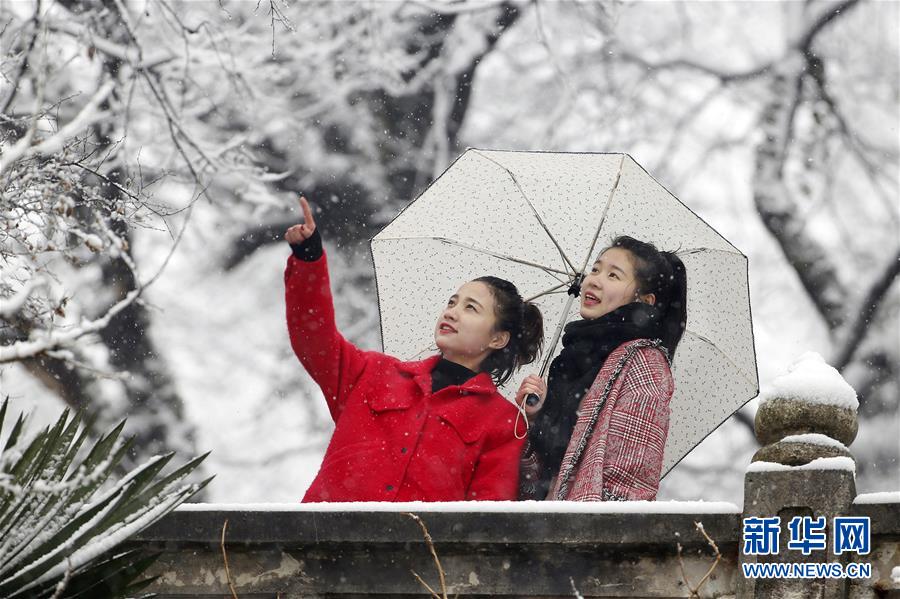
pixel 332 361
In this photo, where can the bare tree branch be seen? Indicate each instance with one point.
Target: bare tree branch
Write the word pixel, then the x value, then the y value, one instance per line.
pixel 682 63
pixel 456 8
pixel 805 42
pixel 856 330
pixel 779 212
pixel 437 562
pixel 746 421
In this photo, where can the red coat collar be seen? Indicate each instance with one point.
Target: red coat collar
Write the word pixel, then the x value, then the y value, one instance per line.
pixel 421 373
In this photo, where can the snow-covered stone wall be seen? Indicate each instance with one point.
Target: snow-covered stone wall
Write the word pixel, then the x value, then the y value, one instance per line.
pixel 504 550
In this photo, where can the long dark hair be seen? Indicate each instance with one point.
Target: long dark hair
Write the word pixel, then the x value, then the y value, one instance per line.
pixel 524 323
pixel 662 274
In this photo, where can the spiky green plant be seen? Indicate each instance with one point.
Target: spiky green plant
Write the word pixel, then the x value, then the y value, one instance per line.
pixel 63 512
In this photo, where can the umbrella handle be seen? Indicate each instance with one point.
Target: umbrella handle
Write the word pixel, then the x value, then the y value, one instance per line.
pixel 574 291
pixel 532 399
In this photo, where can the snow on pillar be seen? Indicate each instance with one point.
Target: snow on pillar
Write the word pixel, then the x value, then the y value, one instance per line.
pixel 805 422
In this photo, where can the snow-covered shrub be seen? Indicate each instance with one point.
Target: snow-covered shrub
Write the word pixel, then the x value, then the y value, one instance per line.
pixel 63 511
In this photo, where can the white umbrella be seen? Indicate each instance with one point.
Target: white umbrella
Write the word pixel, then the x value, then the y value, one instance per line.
pixel 539 219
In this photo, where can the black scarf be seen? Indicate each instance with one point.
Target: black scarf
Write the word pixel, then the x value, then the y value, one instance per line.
pixel 586 345
pixel 446 373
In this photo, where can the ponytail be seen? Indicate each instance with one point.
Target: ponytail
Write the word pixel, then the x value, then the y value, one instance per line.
pixel 532 334
pixel 525 325
pixel 674 308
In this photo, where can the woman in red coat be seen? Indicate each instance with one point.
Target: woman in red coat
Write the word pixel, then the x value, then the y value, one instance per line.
pixel 434 430
pixel 601 433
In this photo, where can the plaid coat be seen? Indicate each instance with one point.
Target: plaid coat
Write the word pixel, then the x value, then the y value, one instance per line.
pixel 616 449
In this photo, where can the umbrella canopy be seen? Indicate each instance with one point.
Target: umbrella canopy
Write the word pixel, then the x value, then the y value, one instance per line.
pixel 539 219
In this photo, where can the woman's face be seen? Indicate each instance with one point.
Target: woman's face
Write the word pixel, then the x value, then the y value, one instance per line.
pixel 610 284
pixel 464 332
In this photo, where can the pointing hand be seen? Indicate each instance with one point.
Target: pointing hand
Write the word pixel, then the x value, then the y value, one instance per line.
pixel 300 233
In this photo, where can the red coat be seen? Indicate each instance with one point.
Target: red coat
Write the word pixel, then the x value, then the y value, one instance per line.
pixel 394 440
pixel 617 446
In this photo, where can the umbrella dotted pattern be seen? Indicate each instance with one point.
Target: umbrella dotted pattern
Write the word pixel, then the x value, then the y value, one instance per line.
pixel 540 218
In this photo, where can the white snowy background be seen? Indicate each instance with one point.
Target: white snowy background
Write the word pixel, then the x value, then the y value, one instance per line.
pixel 575 76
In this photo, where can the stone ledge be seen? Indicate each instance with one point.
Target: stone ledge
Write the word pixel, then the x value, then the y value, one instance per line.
pixel 305 528
pixel 297 554
pixel 293 554
pixel 885 517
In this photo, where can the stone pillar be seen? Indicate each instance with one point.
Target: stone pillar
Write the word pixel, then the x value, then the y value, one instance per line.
pixel 804 468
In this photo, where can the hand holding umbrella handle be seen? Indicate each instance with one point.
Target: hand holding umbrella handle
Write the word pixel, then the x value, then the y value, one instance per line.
pixel 531 393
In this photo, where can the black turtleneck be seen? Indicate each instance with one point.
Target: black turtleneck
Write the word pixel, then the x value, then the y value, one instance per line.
pixel 448 373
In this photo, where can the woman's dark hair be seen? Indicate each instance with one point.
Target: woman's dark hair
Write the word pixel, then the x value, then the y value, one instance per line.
pixel 525 325
pixel 662 274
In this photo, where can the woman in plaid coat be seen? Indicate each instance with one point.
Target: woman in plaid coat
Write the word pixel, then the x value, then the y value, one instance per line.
pixel 600 430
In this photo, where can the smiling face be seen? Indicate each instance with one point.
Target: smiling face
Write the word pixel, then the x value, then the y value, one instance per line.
pixel 464 332
pixel 610 284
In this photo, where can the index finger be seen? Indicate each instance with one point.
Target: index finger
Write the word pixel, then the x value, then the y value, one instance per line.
pixel 307 212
